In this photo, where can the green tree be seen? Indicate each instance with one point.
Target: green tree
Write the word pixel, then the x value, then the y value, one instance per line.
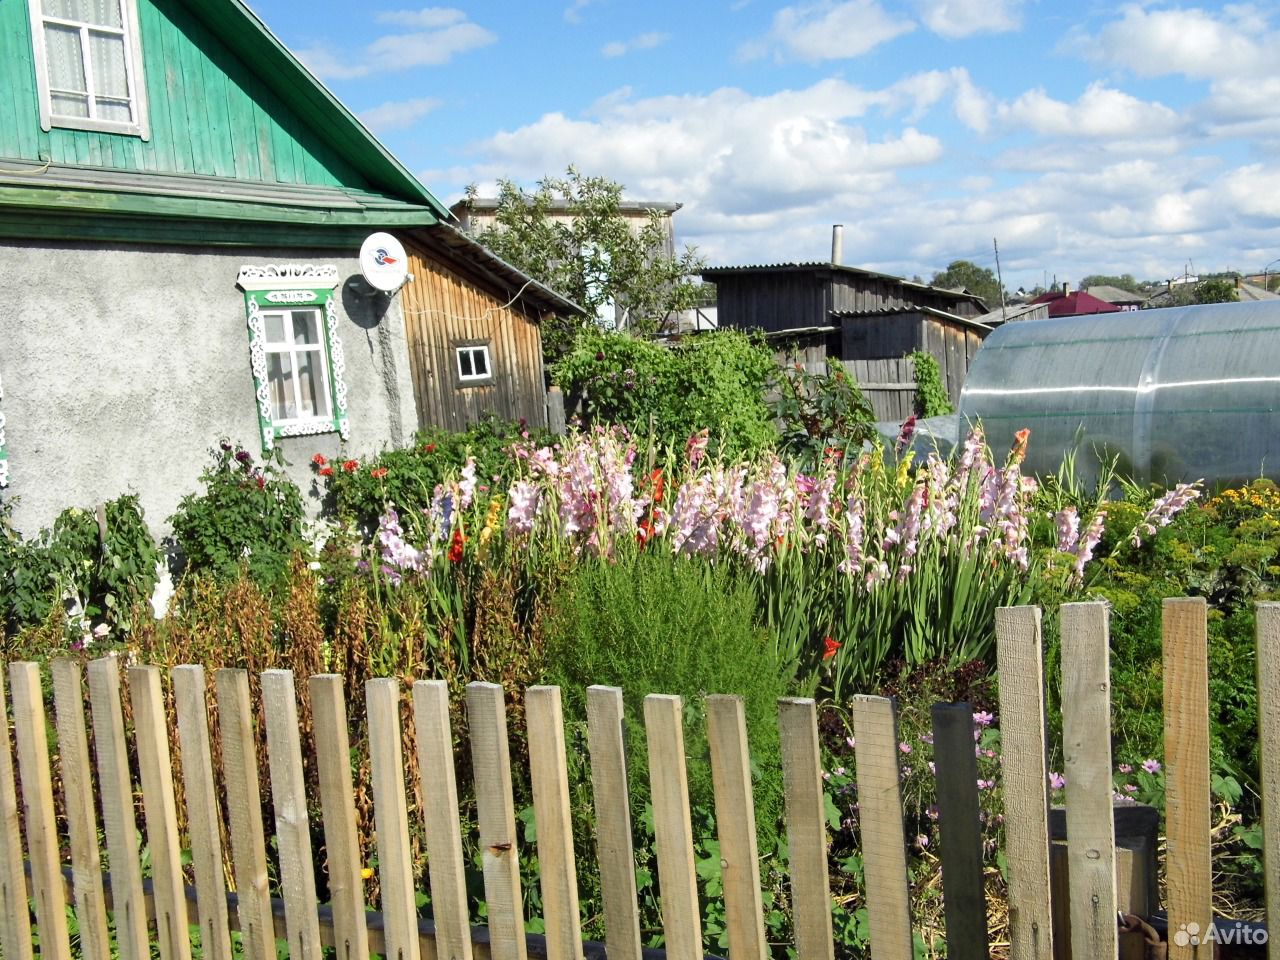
pixel 571 235
pixel 970 276
pixel 1216 290
pixel 1126 281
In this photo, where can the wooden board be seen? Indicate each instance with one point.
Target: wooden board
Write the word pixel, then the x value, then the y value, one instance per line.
pixel 1086 736
pixel 806 817
pixel 82 820
pixel 496 814
pixel 1269 738
pixel 391 816
pixel 1188 806
pixel 549 776
pixel 673 833
pixel 337 802
pixel 203 812
pixel 736 827
pixel 606 742
pixel 244 809
pixel 15 917
pixel 960 832
pixel 884 848
pixel 1020 659
pixel 293 825
pixel 160 806
pixel 119 818
pixel 440 819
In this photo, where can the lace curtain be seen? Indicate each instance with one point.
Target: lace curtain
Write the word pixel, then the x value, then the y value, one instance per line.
pixel 69 91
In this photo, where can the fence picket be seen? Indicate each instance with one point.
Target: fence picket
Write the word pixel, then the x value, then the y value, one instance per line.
pixel 244 808
pixel 964 900
pixel 736 827
pixel 203 814
pixel 496 813
pixel 293 825
pixel 391 815
pixel 1188 806
pixel 440 819
pixel 82 820
pixel 1269 738
pixel 337 801
pixel 806 817
pixel 29 727
pixel 160 807
pixel 1086 735
pixel 548 772
pixel 119 819
pixel 15 915
pixel 884 849
pixel 1026 796
pixel 673 833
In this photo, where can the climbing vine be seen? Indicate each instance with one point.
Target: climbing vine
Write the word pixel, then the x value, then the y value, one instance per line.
pixel 931 394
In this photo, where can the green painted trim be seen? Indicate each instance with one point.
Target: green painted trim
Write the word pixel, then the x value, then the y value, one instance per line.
pixel 247 36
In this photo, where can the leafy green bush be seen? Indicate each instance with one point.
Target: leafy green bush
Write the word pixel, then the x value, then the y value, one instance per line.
pixel 105 574
pixel 820 415
pixel 248 514
pixel 931 393
pixel 714 381
pixel 650 623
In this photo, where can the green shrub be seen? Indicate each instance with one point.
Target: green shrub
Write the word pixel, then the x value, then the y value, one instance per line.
pixel 714 381
pixel 817 414
pixel 651 623
pixel 931 393
pixel 248 514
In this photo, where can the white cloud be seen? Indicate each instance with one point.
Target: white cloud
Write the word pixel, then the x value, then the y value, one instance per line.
pixel 1100 112
pixel 436 35
pixel 961 18
pixel 828 30
pixel 397 115
pixel 645 41
pixel 573 12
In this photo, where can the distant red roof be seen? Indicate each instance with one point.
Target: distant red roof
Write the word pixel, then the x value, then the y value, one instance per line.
pixel 1074 304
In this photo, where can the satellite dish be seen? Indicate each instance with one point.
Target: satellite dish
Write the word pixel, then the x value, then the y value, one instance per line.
pixel 383 262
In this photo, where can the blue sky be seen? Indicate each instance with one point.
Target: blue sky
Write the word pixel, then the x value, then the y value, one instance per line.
pixel 1087 138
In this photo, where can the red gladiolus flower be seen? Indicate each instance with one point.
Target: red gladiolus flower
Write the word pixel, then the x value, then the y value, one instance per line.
pixel 326 471
pixel 429 448
pixel 829 648
pixel 455 546
pixel 378 473
pixel 319 460
pixel 659 485
pixel 1019 449
pixel 644 532
pixel 351 466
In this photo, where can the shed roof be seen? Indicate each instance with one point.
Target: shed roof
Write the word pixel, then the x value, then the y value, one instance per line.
pixel 1015 311
pixel 1117 295
pixel 929 311
pixel 712 274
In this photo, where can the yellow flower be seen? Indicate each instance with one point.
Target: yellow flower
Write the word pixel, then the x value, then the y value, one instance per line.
pixel 366 873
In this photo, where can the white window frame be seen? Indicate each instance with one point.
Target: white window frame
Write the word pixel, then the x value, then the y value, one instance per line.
pixel 473 349
pixel 291 349
pixel 140 125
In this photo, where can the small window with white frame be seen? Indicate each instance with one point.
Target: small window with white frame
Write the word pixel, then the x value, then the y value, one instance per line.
pixel 89 65
pixel 295 351
pixel 474 367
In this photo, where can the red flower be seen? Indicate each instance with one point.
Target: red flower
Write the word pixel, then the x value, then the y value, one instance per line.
pixel 351 466
pixel 326 471
pixel 659 485
pixel 319 460
pixel 378 473
pixel 455 546
pixel 829 648
pixel 1019 449
pixel 644 532
pixel 429 448
pixel 262 482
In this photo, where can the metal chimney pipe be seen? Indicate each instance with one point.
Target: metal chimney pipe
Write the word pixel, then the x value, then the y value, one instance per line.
pixel 837 243
pixel 1066 287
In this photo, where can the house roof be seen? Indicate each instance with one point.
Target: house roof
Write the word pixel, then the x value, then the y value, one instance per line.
pixel 489 204
pixel 1015 311
pixel 712 274
pixel 1076 304
pixel 1115 295
pixel 1251 291
pixel 930 311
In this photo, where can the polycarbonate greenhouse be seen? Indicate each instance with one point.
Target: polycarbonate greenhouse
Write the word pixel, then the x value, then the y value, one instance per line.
pixel 1175 394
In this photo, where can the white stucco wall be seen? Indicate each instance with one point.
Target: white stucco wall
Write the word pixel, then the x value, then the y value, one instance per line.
pixel 122 365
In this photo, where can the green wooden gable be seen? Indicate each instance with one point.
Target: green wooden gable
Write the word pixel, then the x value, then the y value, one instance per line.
pixel 244 145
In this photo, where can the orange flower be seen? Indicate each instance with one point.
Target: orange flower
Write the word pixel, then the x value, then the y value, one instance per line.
pixel 429 448
pixel 829 648
pixel 351 466
pixel 378 473
pixel 1019 450
pixel 659 485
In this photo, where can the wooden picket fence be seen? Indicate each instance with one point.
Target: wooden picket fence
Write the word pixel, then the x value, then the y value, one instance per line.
pixel 100 791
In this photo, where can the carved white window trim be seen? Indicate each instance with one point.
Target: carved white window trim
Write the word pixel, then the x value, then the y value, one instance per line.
pixel 294 284
pixel 4 450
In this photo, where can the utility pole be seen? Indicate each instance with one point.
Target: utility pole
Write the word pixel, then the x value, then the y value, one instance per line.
pixel 1004 309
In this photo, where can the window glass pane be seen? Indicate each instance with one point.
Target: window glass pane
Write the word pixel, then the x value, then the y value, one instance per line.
pixel 275 327
pixel 103 13
pixel 62 50
pixel 482 362
pixel 311 381
pixel 106 56
pixel 114 110
pixel 305 327
pixel 69 105
pixel 464 363
pixel 279 377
